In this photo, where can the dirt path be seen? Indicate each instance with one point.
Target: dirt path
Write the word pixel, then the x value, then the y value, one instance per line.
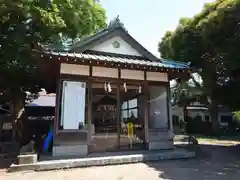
pixel 216 162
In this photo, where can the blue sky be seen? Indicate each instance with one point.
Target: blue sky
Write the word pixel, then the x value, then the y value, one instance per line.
pixel 148 20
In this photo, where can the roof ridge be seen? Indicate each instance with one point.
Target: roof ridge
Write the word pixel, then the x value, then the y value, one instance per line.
pixel 89 37
pixel 116 23
pixel 113 24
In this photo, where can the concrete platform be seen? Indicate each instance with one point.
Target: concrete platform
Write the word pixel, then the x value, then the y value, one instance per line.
pixel 103 159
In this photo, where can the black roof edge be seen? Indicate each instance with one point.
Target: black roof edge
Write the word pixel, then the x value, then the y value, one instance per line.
pixel 113 54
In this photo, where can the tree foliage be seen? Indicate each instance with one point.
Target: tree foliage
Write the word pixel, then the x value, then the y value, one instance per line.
pixel 210 41
pixel 185 92
pixel 27 23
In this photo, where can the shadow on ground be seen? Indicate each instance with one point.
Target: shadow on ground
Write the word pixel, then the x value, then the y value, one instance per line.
pixel 213 162
pixel 6 161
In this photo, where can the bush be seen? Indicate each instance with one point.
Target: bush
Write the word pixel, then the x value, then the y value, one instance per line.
pixel 197 126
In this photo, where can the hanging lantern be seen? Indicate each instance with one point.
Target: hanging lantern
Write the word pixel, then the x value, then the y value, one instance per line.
pixel 105 87
pixel 109 87
pixel 125 87
pixel 140 89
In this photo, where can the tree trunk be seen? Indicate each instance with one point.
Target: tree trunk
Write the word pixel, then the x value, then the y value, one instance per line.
pixel 14 117
pixel 185 113
pixel 16 107
pixel 214 118
pixel 185 118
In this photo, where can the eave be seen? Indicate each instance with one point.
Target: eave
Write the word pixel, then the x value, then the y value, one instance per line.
pixel 113 62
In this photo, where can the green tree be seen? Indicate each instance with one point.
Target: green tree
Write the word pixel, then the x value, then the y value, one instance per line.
pixel 26 24
pixel 209 40
pixel 184 92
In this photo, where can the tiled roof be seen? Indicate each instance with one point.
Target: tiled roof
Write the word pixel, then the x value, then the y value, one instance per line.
pixel 175 63
pixel 114 29
pixel 125 59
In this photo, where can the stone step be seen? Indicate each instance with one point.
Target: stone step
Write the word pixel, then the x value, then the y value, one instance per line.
pixel 177 153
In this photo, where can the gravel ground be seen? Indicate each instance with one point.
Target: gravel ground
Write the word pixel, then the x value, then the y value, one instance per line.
pixel 217 162
pixel 172 170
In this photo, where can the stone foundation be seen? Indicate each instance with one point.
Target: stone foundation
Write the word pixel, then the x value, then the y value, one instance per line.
pixel 158 145
pixel 160 140
pixel 71 150
pixel 27 159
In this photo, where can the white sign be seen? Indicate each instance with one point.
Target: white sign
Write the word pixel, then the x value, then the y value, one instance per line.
pixel 7 126
pixel 73 104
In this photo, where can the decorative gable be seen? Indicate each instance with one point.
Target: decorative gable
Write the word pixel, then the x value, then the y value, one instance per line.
pixel 116 45
pixel 113 39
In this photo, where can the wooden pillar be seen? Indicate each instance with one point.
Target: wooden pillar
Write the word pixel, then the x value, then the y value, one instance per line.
pixel 57 103
pixel 169 109
pixel 57 107
pixel 89 115
pixel 118 116
pixel 146 110
pixel 119 109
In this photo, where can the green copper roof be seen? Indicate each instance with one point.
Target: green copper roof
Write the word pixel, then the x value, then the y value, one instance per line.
pixel 117 58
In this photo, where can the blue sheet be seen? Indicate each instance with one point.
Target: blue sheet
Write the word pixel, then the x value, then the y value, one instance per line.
pixel 48 140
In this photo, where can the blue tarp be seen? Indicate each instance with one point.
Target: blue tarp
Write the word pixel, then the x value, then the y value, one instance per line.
pixel 48 140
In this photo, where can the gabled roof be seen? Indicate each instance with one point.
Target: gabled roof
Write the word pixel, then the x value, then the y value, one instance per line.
pixel 81 49
pixel 115 28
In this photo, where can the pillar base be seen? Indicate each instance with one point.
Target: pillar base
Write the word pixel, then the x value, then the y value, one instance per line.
pixel 160 139
pixel 70 150
pixel 27 159
pixel 160 145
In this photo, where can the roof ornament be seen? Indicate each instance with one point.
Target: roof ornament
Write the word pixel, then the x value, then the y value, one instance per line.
pixel 115 23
